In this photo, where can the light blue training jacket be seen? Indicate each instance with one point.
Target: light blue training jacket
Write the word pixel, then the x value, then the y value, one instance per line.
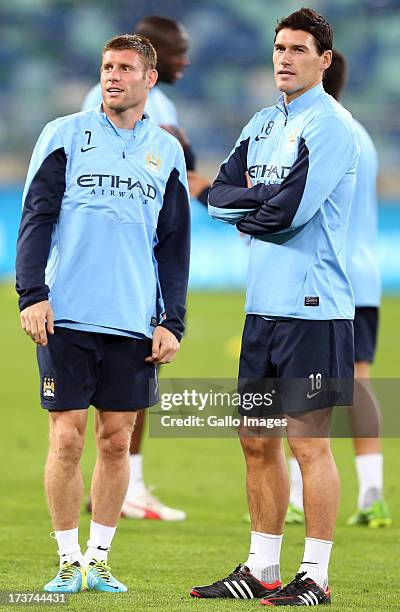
pixel 105 228
pixel 302 162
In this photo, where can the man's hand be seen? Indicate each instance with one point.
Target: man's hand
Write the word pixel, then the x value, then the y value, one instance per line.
pixel 197 183
pixel 35 319
pixel 165 346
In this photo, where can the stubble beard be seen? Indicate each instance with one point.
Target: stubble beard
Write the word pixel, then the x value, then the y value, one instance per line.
pixel 121 107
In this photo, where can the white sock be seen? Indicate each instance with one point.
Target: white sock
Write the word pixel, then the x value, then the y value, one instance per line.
pixel 296 483
pixel 99 542
pixel 68 546
pixel 370 478
pixel 263 559
pixel 316 560
pixel 136 483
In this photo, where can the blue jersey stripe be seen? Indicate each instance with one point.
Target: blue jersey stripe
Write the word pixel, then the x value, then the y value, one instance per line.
pixel 172 253
pixel 40 213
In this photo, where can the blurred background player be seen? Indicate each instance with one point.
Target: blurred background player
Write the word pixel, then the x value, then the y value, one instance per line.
pixel 171 43
pixel 363 271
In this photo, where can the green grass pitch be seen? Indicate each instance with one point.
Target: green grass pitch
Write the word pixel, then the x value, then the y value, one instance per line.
pixel 161 561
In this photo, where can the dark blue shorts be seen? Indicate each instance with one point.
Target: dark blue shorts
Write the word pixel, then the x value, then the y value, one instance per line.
pixel 365 333
pixel 300 365
pixel 79 368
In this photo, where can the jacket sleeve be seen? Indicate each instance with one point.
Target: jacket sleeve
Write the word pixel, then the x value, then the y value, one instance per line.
pixel 327 150
pixel 43 194
pixel 229 198
pixel 172 251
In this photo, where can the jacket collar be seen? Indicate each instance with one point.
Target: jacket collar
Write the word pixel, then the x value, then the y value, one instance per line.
pixel 140 124
pixel 301 103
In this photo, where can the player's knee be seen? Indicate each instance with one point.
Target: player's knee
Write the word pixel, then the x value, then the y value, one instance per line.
pixel 258 451
pixel 114 446
pixel 309 450
pixel 67 443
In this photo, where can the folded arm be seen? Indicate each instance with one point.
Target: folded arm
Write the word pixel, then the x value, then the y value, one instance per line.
pixel 229 198
pixel 327 150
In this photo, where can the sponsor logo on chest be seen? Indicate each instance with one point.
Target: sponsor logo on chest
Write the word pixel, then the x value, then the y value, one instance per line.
pixel 268 171
pixel 116 186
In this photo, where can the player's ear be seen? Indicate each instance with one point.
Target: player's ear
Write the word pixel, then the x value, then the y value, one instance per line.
pixel 151 77
pixel 326 59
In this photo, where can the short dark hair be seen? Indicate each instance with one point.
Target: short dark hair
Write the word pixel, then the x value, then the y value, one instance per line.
pixel 310 21
pixel 336 76
pixel 156 28
pixel 133 42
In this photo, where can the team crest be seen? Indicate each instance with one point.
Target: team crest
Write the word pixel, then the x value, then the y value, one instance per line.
pixel 292 141
pixel 49 387
pixel 153 162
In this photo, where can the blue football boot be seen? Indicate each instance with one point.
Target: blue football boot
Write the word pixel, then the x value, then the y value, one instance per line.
pixel 99 578
pixel 69 579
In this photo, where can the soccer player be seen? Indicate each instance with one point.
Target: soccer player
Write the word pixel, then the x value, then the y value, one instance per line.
pixel 171 43
pixel 363 272
pixel 288 183
pixel 102 270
